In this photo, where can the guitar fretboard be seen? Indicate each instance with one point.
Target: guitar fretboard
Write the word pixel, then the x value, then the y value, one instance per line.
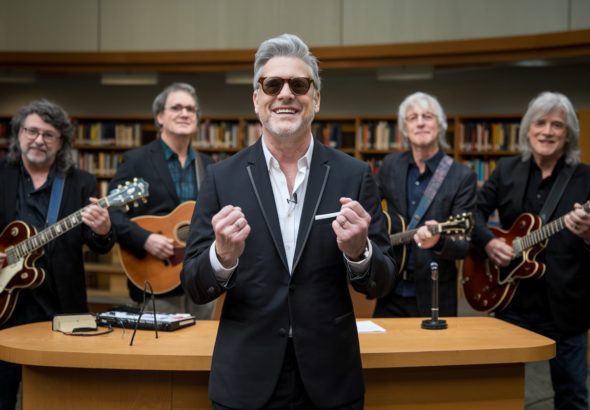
pixel 546 231
pixel 405 238
pixel 57 229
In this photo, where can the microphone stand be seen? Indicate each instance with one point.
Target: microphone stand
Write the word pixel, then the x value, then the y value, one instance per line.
pixel 434 323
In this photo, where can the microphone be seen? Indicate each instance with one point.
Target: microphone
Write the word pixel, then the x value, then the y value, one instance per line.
pixel 294 200
pixel 434 322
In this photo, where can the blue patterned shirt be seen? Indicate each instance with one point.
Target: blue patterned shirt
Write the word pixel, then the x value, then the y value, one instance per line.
pixel 185 179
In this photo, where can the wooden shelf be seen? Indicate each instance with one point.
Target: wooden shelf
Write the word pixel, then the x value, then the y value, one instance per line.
pixel 489 153
pixel 103 268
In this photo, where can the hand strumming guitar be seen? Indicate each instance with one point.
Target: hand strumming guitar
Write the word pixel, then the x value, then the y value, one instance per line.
pixel 500 253
pixel 159 246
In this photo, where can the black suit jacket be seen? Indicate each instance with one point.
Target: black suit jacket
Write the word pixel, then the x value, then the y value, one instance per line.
pixel 455 196
pixel 568 266
pixel 263 300
pixel 65 252
pixel 149 163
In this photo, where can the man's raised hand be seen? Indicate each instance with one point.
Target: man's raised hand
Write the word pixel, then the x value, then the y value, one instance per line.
pixel 231 230
pixel 352 228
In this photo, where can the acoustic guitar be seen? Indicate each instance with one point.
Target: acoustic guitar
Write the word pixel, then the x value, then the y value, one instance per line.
pixel 489 288
pixel 164 275
pixel 461 225
pixel 23 246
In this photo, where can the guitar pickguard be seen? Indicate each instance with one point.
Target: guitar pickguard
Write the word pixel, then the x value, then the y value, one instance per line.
pixel 8 272
pixel 505 273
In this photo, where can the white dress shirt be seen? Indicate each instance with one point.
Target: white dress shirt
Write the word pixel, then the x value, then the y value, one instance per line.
pixel 289 214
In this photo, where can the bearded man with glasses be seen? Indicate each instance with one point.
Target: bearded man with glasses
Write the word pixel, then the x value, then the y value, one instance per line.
pixel 39 159
pixel 174 171
pixel 402 180
pixel 281 227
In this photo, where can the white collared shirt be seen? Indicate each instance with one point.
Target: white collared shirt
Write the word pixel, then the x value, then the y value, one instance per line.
pixel 289 213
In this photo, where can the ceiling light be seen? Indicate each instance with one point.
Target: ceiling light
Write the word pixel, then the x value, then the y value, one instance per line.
pixel 405 72
pixel 117 78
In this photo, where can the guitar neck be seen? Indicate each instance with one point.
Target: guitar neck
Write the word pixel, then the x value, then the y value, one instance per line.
pixel 57 229
pixel 404 238
pixel 543 233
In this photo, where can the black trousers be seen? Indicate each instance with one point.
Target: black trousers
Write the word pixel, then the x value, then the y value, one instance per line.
pixel 290 394
pixel 395 305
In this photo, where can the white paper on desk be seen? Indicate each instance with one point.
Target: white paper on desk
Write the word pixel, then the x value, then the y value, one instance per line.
pixel 366 326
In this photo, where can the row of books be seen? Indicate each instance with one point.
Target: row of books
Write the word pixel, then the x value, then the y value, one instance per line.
pixel 252 131
pixel 217 135
pixel 104 164
pixel 330 134
pixel 375 164
pixel 483 168
pixel 108 133
pixel 382 135
pixel 489 136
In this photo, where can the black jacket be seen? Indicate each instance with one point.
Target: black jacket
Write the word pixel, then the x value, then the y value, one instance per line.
pixel 455 196
pixel 567 259
pixel 149 163
pixel 263 300
pixel 65 253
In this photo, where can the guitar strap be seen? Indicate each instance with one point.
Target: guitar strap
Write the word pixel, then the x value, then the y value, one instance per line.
pixel 199 169
pixel 437 179
pixel 556 192
pixel 56 193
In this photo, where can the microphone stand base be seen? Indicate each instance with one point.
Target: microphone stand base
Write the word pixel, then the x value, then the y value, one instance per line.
pixel 434 324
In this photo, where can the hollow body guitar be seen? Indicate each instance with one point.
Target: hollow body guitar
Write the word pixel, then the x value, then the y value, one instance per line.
pixel 23 246
pixel 460 225
pixel 489 288
pixel 163 275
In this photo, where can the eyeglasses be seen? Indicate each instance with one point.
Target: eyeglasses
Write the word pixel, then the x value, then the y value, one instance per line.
pixel 274 85
pixel 177 109
pixel 427 117
pixel 33 133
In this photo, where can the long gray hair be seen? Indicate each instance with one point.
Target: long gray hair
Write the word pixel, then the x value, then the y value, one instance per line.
pixel 52 114
pixel 160 101
pixel 287 45
pixel 428 102
pixel 539 107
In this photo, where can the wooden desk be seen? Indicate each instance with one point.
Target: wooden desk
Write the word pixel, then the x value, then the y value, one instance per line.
pixel 478 362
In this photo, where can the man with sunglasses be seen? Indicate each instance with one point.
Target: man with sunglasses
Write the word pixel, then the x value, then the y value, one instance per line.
pixel 39 160
pixel 281 226
pixel 174 171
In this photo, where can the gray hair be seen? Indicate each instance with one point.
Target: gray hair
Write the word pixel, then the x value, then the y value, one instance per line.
pixel 539 107
pixel 160 101
pixel 287 45
pixel 52 114
pixel 428 102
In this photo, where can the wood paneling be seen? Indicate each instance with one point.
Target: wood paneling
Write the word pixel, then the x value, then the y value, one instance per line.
pixel 56 25
pixel 154 25
pixel 410 21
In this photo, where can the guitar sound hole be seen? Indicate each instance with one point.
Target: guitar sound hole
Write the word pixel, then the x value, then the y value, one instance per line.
pixel 182 232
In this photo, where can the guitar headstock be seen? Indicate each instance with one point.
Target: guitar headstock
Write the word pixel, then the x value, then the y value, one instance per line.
pixel 460 225
pixel 130 192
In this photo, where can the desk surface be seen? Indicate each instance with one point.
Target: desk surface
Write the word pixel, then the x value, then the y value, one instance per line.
pixel 467 341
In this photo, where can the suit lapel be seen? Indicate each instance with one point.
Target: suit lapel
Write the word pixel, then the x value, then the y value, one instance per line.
pixel 11 181
pixel 258 174
pixel 521 175
pixel 159 160
pixel 318 175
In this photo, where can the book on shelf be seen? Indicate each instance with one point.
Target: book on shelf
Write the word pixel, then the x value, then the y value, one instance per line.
pixel 214 134
pixel 105 133
pixel 489 136
pixel 379 135
pixel 102 163
pixel 252 131
pixel 375 164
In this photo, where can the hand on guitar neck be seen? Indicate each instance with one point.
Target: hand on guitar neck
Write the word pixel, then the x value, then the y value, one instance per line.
pixel 578 222
pixel 424 238
pixel 159 246
pixel 97 218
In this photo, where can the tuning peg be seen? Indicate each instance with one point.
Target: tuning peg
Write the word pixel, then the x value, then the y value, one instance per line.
pixel 144 200
pixel 135 204
pixel 127 182
pixel 126 208
pixel 134 179
pixel 119 186
pixel 451 218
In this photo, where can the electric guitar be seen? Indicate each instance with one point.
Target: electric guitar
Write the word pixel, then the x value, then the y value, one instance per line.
pixel 461 225
pixel 23 246
pixel 488 287
pixel 163 275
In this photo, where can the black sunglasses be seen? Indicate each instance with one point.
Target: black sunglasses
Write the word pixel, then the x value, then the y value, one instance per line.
pixel 274 85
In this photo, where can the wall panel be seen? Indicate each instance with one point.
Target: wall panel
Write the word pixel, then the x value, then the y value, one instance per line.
pixel 406 21
pixel 580 14
pixel 56 25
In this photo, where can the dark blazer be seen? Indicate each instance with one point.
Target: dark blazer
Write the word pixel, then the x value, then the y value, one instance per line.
pixel 65 252
pixel 455 196
pixel 147 162
pixel 568 266
pixel 263 300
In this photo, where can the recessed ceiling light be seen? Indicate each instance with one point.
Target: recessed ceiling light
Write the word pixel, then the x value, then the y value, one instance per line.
pixel 134 78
